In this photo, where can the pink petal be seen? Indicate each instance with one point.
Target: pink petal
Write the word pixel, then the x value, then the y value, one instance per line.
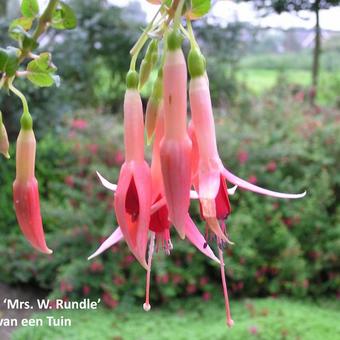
pixel 197 239
pixel 135 231
pixel 115 237
pixel 248 186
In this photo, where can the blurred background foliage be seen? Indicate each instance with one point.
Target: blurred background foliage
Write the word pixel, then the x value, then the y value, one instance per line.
pixel 268 130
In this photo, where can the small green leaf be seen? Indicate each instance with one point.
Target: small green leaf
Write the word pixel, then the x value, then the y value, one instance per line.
pixel 64 17
pixel 29 43
pixel 16 32
pixel 41 71
pixel 3 59
pixel 12 62
pixel 24 22
pixel 199 8
pixel 30 8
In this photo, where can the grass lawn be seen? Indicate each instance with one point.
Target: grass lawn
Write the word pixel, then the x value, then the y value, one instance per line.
pixel 194 319
pixel 260 80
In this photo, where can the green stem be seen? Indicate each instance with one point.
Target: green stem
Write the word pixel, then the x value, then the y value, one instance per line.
pixel 192 39
pixel 45 19
pixel 42 25
pixel 26 120
pixel 22 98
pixel 178 14
pixel 141 41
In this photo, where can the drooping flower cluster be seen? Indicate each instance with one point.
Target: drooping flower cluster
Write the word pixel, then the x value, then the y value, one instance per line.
pixel 150 200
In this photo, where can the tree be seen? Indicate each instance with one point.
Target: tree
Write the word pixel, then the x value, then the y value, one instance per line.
pixel 315 6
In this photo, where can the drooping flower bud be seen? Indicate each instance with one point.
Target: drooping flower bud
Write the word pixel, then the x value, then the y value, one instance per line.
pixel 175 149
pixel 148 63
pixel 25 188
pixel 4 144
pixel 153 106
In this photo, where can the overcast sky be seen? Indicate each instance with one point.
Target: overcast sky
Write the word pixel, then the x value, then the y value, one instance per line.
pixel 227 11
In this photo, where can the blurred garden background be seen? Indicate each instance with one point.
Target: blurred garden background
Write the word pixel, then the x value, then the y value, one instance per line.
pixel 276 94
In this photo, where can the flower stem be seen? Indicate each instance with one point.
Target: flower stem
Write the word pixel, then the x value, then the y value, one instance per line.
pixel 22 98
pixel 178 14
pixel 45 19
pixel 26 120
pixel 134 52
pixel 191 34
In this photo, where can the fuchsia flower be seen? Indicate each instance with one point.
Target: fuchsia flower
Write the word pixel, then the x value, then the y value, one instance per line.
pixel 175 147
pixel 25 190
pixel 209 173
pixel 147 203
pixel 159 225
pixel 132 200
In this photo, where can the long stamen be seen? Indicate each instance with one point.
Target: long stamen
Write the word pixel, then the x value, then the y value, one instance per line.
pixel 230 321
pixel 146 305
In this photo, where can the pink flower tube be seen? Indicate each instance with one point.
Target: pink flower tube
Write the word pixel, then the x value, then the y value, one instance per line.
pixel 175 148
pixel 26 192
pixel 132 200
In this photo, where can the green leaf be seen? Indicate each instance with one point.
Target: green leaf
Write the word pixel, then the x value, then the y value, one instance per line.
pixel 12 62
pixel 64 17
pixel 41 71
pixel 25 40
pixel 199 8
pixel 30 8
pixel 16 32
pixel 3 59
pixel 24 22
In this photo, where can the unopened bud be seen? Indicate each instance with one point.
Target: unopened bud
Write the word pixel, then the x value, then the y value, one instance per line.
pixel 4 144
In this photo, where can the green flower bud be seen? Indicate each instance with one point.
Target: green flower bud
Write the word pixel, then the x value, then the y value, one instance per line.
pixel 157 91
pixel 196 63
pixel 132 80
pixel 144 73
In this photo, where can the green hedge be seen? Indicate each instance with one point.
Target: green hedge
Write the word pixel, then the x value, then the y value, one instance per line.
pixel 281 247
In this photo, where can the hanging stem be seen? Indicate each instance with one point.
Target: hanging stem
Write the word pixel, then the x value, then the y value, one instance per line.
pixel 22 98
pixel 141 41
pixel 45 19
pixel 191 34
pixel 178 14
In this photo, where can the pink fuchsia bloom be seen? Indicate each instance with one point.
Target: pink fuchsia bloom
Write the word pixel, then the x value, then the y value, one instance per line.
pixel 26 192
pixel 79 124
pixel 132 200
pixel 4 144
pixel 159 228
pixel 208 173
pixel 175 148
pixel 211 171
